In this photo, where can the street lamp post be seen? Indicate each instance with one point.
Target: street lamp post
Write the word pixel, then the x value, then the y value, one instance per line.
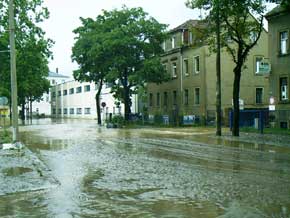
pixel 13 72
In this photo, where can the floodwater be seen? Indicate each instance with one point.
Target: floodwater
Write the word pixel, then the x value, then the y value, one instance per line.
pixel 151 173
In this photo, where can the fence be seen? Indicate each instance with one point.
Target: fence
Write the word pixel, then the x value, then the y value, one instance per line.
pixel 252 118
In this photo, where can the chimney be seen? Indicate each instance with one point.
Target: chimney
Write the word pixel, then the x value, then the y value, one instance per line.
pixel 56 70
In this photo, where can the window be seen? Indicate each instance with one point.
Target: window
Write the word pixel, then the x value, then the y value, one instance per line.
pixel 71 91
pixel 259 95
pixel 108 85
pixel 174 70
pixel 165 99
pixel 186 97
pixel 59 111
pixel 258 61
pixel 150 99
pixel 174 97
pixel 283 125
pixel 65 111
pixel 190 38
pixel 79 89
pixel 64 92
pixel 185 67
pixel 53 111
pixel 79 111
pixel 196 96
pixel 53 95
pixel 53 82
pixel 87 88
pixel 164 45
pixel 283 42
pixel 283 88
pixel 253 36
pixel 165 67
pixel 71 111
pixel 158 99
pixel 185 37
pixel 87 110
pixel 173 42
pixel 59 93
pixel 196 64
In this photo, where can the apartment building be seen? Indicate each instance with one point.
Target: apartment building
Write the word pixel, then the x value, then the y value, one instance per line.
pixel 191 92
pixel 73 99
pixel 279 54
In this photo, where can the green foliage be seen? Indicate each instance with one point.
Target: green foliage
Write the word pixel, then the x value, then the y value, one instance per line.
pixel 5 137
pixel 118 120
pixel 239 31
pixel 32 49
pixel 121 47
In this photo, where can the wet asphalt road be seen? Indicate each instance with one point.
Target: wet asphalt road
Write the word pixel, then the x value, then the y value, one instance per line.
pixel 151 173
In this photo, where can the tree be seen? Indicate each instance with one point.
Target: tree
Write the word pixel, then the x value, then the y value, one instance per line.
pixel 92 56
pixel 133 41
pixel 240 26
pixel 32 50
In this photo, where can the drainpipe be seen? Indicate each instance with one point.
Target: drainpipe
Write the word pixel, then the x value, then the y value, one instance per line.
pixel 181 78
pixel 204 85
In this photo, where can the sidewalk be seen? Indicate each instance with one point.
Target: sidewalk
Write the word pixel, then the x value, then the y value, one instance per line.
pixel 21 171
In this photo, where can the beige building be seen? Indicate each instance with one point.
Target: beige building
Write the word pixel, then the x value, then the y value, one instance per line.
pixel 191 92
pixel 279 54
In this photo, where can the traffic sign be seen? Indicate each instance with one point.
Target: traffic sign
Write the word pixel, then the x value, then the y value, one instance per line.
pixel 3 101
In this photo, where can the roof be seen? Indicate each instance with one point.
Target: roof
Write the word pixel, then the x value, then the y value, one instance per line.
pixel 185 25
pixel 53 74
pixel 279 10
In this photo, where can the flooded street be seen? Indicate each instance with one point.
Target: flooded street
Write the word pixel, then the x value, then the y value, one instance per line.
pixel 151 173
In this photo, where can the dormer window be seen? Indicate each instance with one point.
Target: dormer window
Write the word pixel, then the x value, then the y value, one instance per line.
pixel 173 41
pixel 185 37
pixel 190 38
pixel 164 46
pixel 253 36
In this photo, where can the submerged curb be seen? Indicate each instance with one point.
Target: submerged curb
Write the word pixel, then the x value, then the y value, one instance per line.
pixel 22 171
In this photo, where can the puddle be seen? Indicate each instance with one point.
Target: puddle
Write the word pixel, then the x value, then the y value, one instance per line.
pixel 16 171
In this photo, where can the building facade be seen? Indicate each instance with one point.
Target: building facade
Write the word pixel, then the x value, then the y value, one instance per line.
pixel 279 54
pixel 43 107
pixel 73 99
pixel 191 92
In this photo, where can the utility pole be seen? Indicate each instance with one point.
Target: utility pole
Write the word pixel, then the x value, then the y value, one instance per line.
pixel 218 73
pixel 13 72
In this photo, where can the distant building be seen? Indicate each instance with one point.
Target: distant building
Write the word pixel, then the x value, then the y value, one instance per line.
pixel 191 92
pixel 279 54
pixel 43 107
pixel 73 99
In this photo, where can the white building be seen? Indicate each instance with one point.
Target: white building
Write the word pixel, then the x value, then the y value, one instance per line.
pixel 43 107
pixel 73 99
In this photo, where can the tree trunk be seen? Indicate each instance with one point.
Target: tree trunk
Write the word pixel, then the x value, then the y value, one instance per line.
pixel 127 100
pixel 218 76
pixel 236 95
pixel 127 103
pixel 30 109
pixel 98 106
pixel 22 115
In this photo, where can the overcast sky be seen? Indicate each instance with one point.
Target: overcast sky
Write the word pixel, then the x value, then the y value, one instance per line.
pixel 64 17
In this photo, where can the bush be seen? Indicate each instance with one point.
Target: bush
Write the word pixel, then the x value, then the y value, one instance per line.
pixel 118 120
pixel 5 137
